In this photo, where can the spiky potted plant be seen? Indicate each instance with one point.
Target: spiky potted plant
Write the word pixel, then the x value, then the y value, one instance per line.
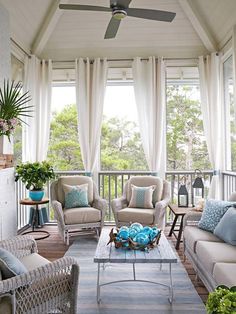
pixel 35 175
pixel 13 108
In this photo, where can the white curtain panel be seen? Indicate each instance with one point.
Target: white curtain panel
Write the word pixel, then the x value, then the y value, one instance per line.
pixel 149 88
pixel 91 78
pixel 209 72
pixel 35 135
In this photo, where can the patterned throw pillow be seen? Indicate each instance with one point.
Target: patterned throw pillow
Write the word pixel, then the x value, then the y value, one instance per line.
pixel 141 197
pixel 213 211
pixel 76 195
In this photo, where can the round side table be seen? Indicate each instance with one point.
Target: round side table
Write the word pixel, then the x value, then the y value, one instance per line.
pixel 35 219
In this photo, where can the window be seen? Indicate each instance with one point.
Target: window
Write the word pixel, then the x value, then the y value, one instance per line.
pixel 121 147
pixel 17 75
pixel 64 149
pixel 230 114
pixel 186 144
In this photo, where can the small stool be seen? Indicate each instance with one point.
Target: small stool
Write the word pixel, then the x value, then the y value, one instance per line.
pixel 35 220
pixel 178 212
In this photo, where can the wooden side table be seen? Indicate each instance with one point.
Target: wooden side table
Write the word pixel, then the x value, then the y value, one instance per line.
pixel 35 219
pixel 178 212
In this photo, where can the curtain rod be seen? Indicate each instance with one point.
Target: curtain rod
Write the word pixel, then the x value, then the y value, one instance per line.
pixel 130 59
pixel 18 46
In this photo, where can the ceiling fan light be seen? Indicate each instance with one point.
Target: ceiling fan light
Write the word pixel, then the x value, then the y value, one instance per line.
pixel 119 14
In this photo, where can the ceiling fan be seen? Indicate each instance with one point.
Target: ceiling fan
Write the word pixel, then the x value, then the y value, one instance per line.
pixel 120 9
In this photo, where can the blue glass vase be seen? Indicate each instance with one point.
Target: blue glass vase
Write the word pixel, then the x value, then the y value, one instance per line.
pixel 36 195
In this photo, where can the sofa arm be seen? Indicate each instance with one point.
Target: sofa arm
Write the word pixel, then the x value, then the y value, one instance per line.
pixel 44 285
pixel 160 211
pixel 192 218
pixel 20 246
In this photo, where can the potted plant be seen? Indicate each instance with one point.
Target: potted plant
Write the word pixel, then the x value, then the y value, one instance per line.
pixel 13 107
pixel 222 301
pixel 35 175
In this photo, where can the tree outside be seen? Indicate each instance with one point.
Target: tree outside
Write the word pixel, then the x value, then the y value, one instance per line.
pixel 186 145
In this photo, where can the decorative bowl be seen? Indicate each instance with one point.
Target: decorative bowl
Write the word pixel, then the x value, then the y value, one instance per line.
pixel 136 237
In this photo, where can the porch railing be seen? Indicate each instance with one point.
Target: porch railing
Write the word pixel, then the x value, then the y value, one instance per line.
pixel 111 185
pixel 228 183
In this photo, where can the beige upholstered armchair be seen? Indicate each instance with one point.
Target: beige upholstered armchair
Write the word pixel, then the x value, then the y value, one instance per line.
pixel 43 287
pixel 70 220
pixel 148 216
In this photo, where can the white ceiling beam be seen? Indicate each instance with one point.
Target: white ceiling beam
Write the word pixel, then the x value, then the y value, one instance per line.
pixel 199 25
pixel 47 27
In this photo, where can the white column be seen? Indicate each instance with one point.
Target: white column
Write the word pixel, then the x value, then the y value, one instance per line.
pixel 5 51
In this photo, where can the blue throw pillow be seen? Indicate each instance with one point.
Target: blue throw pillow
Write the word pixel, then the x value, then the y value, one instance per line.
pixel 76 195
pixel 10 265
pixel 213 211
pixel 226 228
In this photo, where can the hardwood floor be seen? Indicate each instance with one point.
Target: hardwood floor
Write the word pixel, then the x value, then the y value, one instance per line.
pixel 53 248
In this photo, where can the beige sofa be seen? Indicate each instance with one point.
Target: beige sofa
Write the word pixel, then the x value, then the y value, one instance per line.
pixel 213 260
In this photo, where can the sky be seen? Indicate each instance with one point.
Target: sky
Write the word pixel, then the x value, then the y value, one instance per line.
pixel 119 100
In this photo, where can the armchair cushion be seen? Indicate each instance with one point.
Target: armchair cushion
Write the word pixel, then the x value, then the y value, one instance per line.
pixel 10 265
pixel 141 197
pixel 33 261
pixel 73 180
pixel 146 181
pixel 81 215
pixel 144 216
pixel 76 195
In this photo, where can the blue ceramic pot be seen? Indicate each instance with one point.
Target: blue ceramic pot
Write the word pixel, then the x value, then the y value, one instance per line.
pixel 36 195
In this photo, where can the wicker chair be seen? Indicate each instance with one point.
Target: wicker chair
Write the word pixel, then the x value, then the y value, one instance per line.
pixel 45 288
pixel 155 216
pixel 71 220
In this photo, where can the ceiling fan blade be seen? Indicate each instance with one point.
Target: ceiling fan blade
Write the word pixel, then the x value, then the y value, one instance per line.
pixel 120 3
pixel 156 15
pixel 84 7
pixel 112 28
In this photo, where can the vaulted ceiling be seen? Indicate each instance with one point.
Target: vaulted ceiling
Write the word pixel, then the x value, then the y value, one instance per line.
pixel 200 26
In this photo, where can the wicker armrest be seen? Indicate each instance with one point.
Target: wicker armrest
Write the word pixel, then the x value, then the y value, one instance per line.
pixel 20 246
pixel 57 207
pixel 119 203
pixel 100 203
pixel 61 268
pixel 192 218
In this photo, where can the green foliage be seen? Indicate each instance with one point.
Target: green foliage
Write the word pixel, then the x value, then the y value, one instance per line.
pixel 222 301
pixel 35 174
pixel 13 106
pixel 121 147
pixel 64 149
pixel 186 148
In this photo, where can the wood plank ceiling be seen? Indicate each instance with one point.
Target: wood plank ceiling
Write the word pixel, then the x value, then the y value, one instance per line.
pixel 200 26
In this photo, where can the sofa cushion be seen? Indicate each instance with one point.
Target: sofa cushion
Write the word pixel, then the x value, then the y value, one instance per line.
pixel 5 305
pixel 143 216
pixel 226 228
pixel 225 274
pixel 141 197
pixel 76 195
pixel 73 180
pixel 10 265
pixel 210 253
pixel 33 261
pixel 193 234
pixel 81 215
pixel 213 211
pixel 146 181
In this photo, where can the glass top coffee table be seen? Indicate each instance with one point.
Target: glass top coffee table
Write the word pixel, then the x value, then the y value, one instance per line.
pixel 162 254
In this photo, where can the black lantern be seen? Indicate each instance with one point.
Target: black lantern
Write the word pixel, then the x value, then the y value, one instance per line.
pixel 183 194
pixel 198 188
